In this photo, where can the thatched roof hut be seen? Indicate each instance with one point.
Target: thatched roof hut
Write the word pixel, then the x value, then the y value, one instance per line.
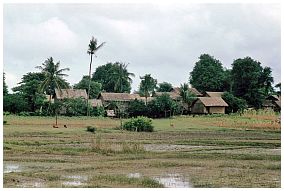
pixel 192 90
pixel 204 105
pixel 70 93
pixel 213 94
pixel 121 97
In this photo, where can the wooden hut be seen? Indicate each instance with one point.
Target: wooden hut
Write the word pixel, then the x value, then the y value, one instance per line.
pixel 208 105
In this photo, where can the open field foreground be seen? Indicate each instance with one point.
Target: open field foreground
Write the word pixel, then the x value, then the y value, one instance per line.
pixel 200 151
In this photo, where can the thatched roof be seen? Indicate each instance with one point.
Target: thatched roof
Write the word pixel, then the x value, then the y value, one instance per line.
pixel 172 95
pixel 213 101
pixel 71 93
pixel 192 90
pixel 119 96
pixel 214 94
pixel 274 97
pixel 278 103
pixel 267 103
pixel 96 102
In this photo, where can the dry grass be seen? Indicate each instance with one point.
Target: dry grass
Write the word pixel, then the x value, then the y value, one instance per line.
pixel 220 153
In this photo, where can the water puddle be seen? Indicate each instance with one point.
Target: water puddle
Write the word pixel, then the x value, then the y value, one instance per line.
pixel 134 175
pixel 8 168
pixel 75 180
pixel 173 181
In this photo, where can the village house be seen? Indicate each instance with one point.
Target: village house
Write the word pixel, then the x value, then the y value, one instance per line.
pixel 213 94
pixel 172 95
pixel 192 90
pixel 111 101
pixel 70 93
pixel 272 102
pixel 208 105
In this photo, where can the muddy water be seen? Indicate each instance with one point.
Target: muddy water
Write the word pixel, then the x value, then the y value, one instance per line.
pixel 75 180
pixel 173 181
pixel 11 168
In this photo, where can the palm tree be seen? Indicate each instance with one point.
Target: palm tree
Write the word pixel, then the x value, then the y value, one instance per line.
pixel 53 78
pixel 91 51
pixel 187 96
pixel 120 76
pixel 147 85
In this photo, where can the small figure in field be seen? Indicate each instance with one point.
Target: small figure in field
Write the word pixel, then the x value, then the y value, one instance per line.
pixel 65 126
pixel 172 125
pixel 54 126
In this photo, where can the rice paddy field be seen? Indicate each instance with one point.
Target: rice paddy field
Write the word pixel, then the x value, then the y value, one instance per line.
pixel 184 151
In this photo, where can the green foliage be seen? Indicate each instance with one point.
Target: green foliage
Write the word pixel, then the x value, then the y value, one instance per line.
pixel 5 122
pixel 139 124
pixel 98 111
pixel 278 86
pixel 164 87
pixel 75 107
pixel 137 108
pixel 53 77
pixel 187 96
pixel 15 103
pixel 95 87
pixel 162 106
pixel 207 74
pixel 250 81
pixel 5 87
pixel 114 77
pixel 235 104
pixel 28 87
pixel 147 86
pixel 91 129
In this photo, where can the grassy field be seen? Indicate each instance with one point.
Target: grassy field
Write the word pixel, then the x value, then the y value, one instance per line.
pixel 200 151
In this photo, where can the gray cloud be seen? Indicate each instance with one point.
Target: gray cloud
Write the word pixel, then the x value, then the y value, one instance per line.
pixel 164 40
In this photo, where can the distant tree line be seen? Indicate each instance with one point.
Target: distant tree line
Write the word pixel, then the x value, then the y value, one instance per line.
pixel 247 84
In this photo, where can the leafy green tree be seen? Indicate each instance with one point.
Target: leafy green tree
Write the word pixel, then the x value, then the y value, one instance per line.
pixel 163 105
pixel 227 81
pixel 250 81
pixel 15 103
pixel 235 104
pixel 278 86
pixel 53 78
pixel 74 107
pixel 28 88
pixel 187 96
pixel 95 87
pixel 119 76
pixel 114 77
pixel 207 74
pixel 164 87
pixel 93 47
pixel 5 87
pixel 136 108
pixel 147 86
pixel 266 81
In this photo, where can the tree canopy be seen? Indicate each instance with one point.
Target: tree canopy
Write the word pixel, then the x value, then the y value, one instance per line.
pixel 207 74
pixel 147 86
pixel 95 87
pixel 5 87
pixel 114 77
pixel 29 89
pixel 164 87
pixel 250 81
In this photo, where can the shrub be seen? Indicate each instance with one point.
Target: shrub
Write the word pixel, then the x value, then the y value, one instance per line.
pixel 235 104
pixel 137 108
pixel 4 122
pixel 91 129
pixel 139 124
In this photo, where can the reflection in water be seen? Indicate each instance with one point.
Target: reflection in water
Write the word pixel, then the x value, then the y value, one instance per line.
pixel 173 181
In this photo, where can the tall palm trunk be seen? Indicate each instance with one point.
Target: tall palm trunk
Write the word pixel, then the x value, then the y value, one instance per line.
pixel 90 69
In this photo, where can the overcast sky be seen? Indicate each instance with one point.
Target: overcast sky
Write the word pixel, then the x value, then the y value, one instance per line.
pixel 163 40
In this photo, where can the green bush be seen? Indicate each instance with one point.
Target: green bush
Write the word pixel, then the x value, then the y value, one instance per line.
pixel 91 129
pixel 139 124
pixel 4 122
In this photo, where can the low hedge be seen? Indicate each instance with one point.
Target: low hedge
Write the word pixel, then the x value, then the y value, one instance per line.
pixel 139 124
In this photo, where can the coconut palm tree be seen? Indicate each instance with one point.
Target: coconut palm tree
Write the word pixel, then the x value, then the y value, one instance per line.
pixel 93 47
pixel 147 85
pixel 53 78
pixel 186 95
pixel 120 76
